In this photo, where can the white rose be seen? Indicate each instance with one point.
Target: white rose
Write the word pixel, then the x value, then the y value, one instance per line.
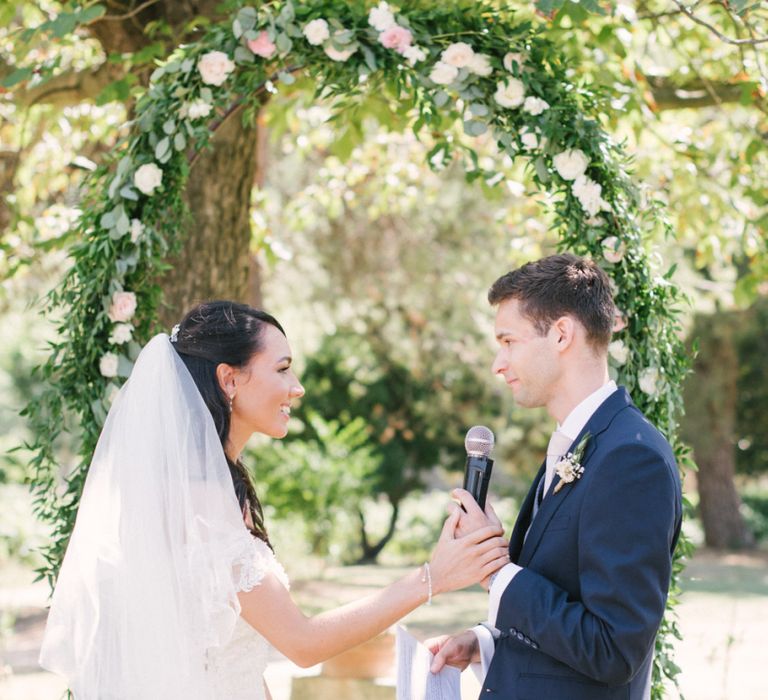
pixel 648 380
pixel 148 178
pixel 510 93
pixel 414 55
pixel 336 55
pixel 137 228
pixel 570 164
pixel 316 32
pixel 197 109
pixel 381 17
pixel 510 59
pixel 214 67
pixel 480 65
pixel 458 54
pixel 613 249
pixel 108 364
pixel 529 139
pixel 121 333
pixel 618 351
pixel 534 105
pixel 588 193
pixel 443 73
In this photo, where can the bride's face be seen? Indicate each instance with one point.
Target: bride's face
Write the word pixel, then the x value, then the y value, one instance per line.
pixel 265 388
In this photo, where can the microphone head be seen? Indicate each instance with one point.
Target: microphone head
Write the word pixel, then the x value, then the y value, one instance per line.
pixel 479 441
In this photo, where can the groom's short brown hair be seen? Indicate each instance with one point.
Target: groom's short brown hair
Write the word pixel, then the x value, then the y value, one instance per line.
pixel 561 285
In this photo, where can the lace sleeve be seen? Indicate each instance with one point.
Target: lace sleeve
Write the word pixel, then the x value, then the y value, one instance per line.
pixel 255 564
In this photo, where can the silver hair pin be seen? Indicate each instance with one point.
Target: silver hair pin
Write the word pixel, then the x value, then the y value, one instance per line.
pixel 175 333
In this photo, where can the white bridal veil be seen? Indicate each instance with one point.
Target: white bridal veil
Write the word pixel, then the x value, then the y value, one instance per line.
pixel 149 580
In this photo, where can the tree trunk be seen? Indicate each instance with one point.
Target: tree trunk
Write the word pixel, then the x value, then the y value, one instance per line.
pixel 709 426
pixel 214 262
pixel 372 551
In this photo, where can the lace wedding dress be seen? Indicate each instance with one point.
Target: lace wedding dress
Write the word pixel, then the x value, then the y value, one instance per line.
pixel 236 670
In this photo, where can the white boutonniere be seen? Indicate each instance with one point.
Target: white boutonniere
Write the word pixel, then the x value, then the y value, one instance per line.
pixel 569 468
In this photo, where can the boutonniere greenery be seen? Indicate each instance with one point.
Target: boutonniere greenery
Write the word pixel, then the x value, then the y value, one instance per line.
pixel 569 468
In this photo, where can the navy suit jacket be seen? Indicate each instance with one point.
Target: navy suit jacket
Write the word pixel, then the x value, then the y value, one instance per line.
pixel 579 621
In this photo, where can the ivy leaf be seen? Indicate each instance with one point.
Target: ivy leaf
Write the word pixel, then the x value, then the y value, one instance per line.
pixel 441 98
pixel 128 193
pixel 17 76
pixel 162 148
pixel 284 44
pixel 473 127
pixel 541 170
pixel 247 18
pixel 243 55
pixel 179 141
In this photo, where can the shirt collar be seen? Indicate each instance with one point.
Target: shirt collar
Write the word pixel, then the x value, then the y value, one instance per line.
pixel 578 417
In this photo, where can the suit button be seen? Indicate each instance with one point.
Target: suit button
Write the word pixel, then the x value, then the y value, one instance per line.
pixel 535 646
pixel 512 631
pixel 520 636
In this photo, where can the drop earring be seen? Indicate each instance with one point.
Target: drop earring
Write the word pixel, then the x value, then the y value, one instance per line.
pixel 231 399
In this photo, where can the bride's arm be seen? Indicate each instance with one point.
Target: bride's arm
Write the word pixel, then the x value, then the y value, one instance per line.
pixel 456 563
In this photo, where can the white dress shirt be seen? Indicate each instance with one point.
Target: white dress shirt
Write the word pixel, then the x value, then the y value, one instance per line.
pixel 572 426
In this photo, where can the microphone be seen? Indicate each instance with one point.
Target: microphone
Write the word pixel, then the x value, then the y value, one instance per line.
pixel 477 470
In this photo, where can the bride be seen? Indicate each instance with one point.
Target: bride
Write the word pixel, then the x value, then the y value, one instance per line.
pixel 170 588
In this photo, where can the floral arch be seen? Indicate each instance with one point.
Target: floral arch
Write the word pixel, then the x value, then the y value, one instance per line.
pixel 479 65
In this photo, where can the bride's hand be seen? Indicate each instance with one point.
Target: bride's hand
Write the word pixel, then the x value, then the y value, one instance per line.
pixel 458 562
pixel 471 517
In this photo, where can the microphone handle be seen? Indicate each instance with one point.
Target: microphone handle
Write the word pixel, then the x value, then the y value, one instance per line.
pixel 477 476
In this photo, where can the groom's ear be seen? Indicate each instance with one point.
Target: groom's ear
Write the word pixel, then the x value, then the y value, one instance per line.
pixel 564 331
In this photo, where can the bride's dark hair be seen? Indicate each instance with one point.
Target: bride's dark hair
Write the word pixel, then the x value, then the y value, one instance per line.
pixel 212 333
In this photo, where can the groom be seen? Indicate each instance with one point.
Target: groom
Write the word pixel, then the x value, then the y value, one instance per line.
pixel 575 615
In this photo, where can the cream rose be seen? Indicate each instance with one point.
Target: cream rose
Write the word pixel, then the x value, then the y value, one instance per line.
pixel 148 178
pixel 414 55
pixel 480 65
pixel 137 229
pixel 530 139
pixel 195 110
pixel 588 192
pixel 121 333
pixel 123 307
pixel 458 54
pixel 381 17
pixel 571 163
pixel 648 381
pixel 510 59
pixel 316 32
pixel 443 73
pixel 535 105
pixel 336 55
pixel 510 93
pixel 618 351
pixel 108 364
pixel 613 249
pixel 215 67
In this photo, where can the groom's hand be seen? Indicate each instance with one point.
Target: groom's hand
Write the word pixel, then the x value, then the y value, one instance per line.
pixel 471 517
pixel 459 650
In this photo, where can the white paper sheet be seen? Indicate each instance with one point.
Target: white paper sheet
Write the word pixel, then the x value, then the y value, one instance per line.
pixel 414 679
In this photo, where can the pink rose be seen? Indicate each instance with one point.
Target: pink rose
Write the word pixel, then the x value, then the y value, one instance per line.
pixel 397 38
pixel 262 45
pixel 123 307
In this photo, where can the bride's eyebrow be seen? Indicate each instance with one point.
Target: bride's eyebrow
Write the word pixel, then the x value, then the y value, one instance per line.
pixel 285 358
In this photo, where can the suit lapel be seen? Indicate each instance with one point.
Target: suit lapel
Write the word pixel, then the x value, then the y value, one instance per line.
pixel 598 423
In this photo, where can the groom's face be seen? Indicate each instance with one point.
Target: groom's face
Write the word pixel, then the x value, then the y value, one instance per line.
pixel 527 360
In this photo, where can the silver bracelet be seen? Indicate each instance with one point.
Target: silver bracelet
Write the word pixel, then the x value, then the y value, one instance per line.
pixel 426 577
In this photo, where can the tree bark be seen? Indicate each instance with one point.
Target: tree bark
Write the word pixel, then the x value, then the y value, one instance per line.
pixel 372 551
pixel 710 427
pixel 214 261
